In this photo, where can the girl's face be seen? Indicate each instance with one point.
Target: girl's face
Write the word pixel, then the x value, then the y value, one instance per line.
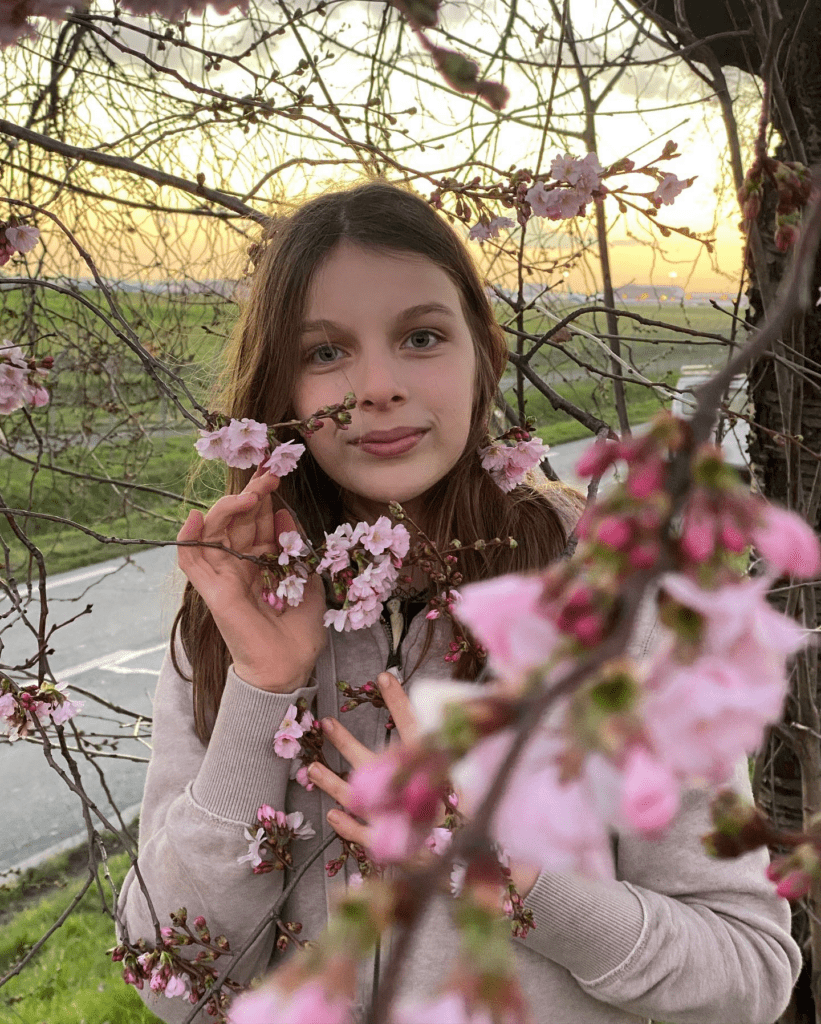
pixel 390 328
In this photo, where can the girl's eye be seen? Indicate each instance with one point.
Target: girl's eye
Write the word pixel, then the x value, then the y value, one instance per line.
pixel 421 340
pixel 323 354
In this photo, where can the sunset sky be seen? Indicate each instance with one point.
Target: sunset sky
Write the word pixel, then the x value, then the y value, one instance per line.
pixel 649 105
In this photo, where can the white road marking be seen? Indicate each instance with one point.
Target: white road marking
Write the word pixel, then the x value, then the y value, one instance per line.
pixel 52 584
pixel 107 661
pixel 129 671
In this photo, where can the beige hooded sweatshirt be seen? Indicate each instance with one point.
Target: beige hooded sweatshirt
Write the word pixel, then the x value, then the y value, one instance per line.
pixel 674 936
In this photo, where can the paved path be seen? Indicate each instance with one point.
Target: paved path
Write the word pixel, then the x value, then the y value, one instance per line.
pixel 115 651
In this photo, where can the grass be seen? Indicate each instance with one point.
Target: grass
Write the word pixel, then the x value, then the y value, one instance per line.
pixel 594 396
pixel 103 507
pixel 70 980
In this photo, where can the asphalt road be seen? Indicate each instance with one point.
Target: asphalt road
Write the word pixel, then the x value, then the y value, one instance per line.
pixel 115 651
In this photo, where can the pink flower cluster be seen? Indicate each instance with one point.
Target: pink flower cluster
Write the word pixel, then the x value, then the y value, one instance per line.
pixel 20 710
pixel 15 237
pixel 244 443
pixel 363 562
pixel 20 379
pixel 451 1007
pixel 482 231
pixel 274 834
pixel 582 175
pixel 167 971
pixel 310 1003
pixel 620 748
pixel 291 729
pixel 400 794
pixel 509 464
pixel 161 977
pixel 668 188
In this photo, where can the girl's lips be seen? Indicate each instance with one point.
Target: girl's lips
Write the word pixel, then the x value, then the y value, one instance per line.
pixel 390 449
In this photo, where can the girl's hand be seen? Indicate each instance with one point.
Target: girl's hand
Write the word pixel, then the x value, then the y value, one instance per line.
pixel 273 650
pixel 356 754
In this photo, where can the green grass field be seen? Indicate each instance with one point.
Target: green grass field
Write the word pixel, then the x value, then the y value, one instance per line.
pixel 70 980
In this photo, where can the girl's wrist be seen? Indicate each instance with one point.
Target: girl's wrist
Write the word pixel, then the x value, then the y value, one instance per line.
pixel 264 680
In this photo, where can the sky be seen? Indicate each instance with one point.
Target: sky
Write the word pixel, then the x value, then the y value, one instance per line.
pixel 672 105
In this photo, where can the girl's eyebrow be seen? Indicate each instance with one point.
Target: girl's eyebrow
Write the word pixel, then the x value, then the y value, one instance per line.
pixel 411 313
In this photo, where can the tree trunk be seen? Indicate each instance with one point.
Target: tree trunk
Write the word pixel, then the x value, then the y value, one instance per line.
pixel 788 772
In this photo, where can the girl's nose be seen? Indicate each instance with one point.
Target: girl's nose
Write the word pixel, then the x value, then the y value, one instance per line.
pixel 380 385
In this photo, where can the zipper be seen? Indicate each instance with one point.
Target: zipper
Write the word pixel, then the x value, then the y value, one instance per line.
pixel 393 622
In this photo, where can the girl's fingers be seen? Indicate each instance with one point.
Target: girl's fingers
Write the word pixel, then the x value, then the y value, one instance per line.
pixel 190 530
pixel 399 705
pixel 329 782
pixel 354 752
pixel 225 510
pixel 349 828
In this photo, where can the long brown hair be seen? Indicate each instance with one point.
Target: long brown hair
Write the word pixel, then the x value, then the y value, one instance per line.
pixel 258 382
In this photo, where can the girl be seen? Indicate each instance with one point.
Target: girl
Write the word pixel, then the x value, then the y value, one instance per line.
pixel 369 291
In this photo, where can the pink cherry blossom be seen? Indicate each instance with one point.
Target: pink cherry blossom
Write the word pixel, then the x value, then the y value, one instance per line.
pixel 336 618
pixel 597 458
pixel 255 841
pixel 292 546
pixel 286 738
pixel 337 546
pixel 378 537
pixel 480 232
pixel 291 590
pixel 738 618
pixel 509 464
pixel 702 717
pixel 614 532
pixel 284 458
pixel 650 792
pixel 255 1007
pixel 65 710
pixel 301 776
pixel 439 841
pixel 586 174
pixel 562 167
pixel 23 237
pixel 506 616
pixel 178 985
pixel 698 540
pixel 540 820
pixel 787 542
pixel 447 1008
pixel 668 189
pixel 392 837
pixel 245 442
pixel 8 705
pixel 372 785
pixel 18 384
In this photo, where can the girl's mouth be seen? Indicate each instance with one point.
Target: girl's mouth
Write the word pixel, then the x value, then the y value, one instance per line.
pixel 390 449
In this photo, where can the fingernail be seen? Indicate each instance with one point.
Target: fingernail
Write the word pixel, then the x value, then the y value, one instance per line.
pixel 328 724
pixel 384 680
pixel 333 816
pixel 313 771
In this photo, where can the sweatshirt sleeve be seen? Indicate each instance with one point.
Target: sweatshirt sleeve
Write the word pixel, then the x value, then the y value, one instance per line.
pixel 197 802
pixel 679 936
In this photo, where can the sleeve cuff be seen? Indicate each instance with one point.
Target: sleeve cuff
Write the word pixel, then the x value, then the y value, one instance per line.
pixel 240 770
pixel 589 927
